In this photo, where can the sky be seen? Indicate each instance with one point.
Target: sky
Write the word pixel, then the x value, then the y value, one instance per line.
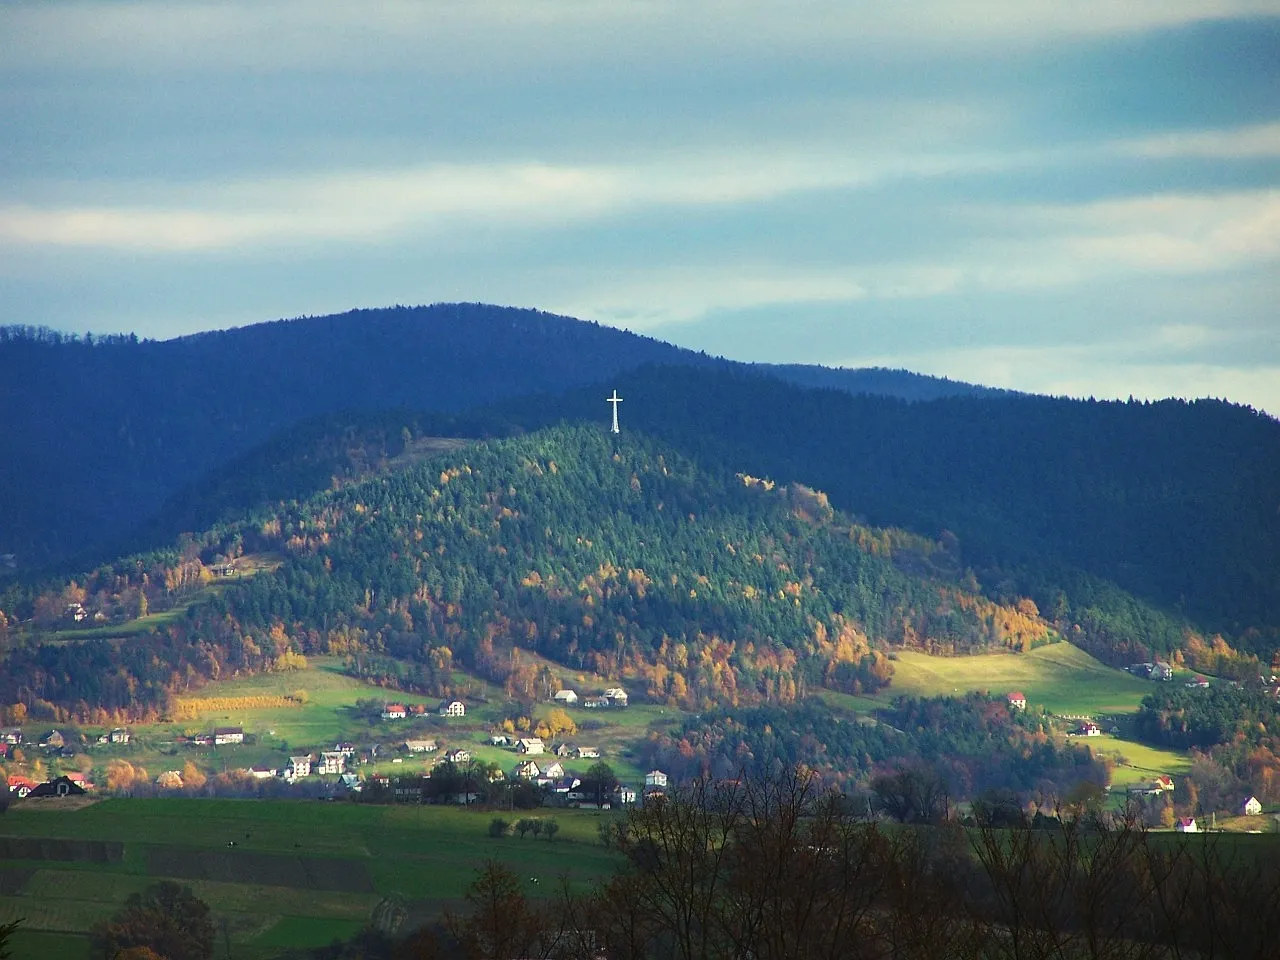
pixel 1076 197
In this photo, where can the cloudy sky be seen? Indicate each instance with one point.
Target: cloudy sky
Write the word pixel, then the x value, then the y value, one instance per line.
pixel 1063 196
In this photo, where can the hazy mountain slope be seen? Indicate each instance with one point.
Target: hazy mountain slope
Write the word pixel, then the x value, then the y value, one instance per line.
pixel 876 381
pixel 97 436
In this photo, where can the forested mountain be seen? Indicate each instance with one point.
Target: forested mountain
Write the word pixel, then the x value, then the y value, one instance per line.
pixel 614 554
pixel 99 432
pixel 1136 521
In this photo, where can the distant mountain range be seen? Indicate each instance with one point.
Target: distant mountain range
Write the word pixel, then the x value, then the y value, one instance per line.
pixel 99 433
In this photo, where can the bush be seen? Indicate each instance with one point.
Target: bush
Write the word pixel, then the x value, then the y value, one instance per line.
pixel 498 827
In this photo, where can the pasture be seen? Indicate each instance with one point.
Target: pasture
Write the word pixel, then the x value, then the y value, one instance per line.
pixel 1060 677
pixel 299 874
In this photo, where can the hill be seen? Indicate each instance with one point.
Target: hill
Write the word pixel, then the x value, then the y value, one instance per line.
pixel 1139 523
pixel 612 554
pixel 99 432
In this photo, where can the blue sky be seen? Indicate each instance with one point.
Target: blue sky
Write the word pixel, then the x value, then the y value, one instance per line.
pixel 1078 198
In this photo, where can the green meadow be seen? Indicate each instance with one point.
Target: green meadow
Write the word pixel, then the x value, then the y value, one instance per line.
pixel 300 873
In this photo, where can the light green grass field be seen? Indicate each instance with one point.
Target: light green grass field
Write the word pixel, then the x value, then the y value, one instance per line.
pixel 1060 677
pixel 427 855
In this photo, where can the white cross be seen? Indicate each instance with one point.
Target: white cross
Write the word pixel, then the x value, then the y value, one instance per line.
pixel 615 400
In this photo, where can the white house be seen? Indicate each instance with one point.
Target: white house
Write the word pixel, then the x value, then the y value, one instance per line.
pixel 262 773
pixel 1251 807
pixel 616 696
pixel 118 735
pixel 225 735
pixel 588 753
pixel 530 745
pixel 625 794
pixel 332 762
pixel 528 770
pixel 1186 825
pixel 1088 729
pixel 553 771
pixel 453 708
pixel 565 696
pixel 1018 700
pixel 420 746
pixel 655 780
pixel 298 767
pixel 394 711
pixel 458 756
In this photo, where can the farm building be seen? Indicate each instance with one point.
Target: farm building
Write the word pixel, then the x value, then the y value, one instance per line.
pixel 530 745
pixel 565 696
pixel 421 746
pixel 588 753
pixel 225 735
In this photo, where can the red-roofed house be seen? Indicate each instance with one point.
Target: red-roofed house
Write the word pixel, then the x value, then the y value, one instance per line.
pixel 1018 700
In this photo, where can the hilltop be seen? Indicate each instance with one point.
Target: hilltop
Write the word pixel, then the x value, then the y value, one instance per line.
pixel 100 432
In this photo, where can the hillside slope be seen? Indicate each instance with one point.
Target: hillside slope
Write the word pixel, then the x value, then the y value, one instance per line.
pixel 99 434
pixel 614 554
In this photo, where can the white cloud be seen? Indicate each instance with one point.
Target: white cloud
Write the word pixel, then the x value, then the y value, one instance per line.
pixel 1232 143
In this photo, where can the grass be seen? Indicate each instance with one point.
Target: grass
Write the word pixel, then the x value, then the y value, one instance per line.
pixel 1060 677
pixel 427 855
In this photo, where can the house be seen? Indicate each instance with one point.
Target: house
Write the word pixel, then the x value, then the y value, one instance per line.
pixel 616 696
pixel 1251 807
pixel 563 750
pixel 349 781
pixel 60 787
pixel 1161 671
pixel 80 780
pixel 453 708
pixel 1186 825
pixel 595 703
pixel 1017 700
pixel 11 736
pixel 530 746
pixel 588 753
pixel 394 711
pixel 21 786
pixel 53 740
pixel 553 770
pixel 170 780
pixel 331 762
pixel 225 735
pixel 458 756
pixel 76 612
pixel 499 740
pixel 262 773
pixel 421 746
pixel 528 770
pixel 202 740
pixel 564 786
pixel 298 767
pixel 567 697
pixel 346 749
pixel 625 795
pixel 1163 784
pixel 119 735
pixel 655 780
pixel 1198 683
pixel 1088 729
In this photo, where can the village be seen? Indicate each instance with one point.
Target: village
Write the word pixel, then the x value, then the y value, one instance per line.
pixel 536 776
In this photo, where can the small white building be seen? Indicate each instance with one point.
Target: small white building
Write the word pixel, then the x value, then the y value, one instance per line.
pixel 421 746
pixel 298 768
pixel 458 756
pixel 616 696
pixel 528 770
pixel 625 794
pixel 530 746
pixel 588 753
pixel 1251 807
pixel 119 735
pixel 567 697
pixel 331 763
pixel 225 735
pixel 453 708
pixel 1186 825
pixel 1018 700
pixel 655 780
pixel 394 711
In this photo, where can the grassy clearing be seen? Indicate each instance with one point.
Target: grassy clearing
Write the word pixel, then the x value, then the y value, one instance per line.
pixel 1138 762
pixel 1060 677
pixel 428 855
